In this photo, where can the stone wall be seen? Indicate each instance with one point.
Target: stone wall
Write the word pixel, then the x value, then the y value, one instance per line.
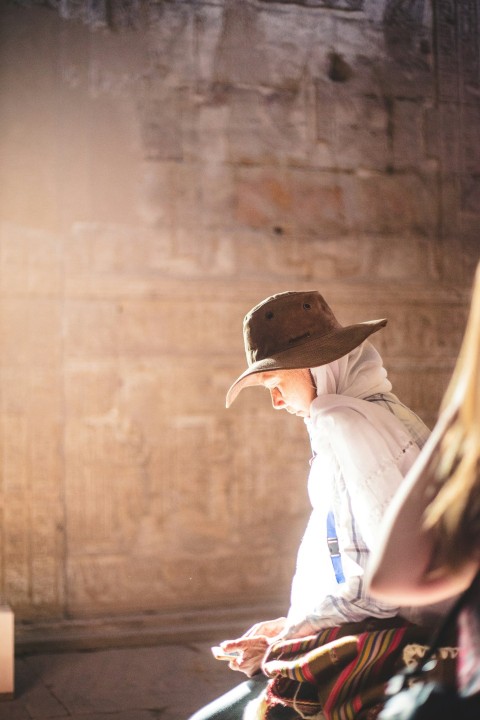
pixel 165 166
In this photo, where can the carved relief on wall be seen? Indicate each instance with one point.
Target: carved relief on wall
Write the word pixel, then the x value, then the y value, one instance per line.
pixel 458 94
pixel 330 4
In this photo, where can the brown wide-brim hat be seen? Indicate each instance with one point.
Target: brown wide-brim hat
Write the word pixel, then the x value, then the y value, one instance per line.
pixel 294 330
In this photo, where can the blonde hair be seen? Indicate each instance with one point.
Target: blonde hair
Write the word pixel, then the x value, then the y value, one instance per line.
pixel 454 514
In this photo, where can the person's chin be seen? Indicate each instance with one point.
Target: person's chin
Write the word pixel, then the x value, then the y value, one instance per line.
pixel 296 411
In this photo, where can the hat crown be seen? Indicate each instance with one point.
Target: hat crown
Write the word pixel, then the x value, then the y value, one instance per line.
pixel 285 320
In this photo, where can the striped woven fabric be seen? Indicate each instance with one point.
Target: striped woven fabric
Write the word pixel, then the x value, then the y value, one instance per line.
pixel 342 671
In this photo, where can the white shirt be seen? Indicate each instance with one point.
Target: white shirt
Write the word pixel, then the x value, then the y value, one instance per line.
pixel 362 451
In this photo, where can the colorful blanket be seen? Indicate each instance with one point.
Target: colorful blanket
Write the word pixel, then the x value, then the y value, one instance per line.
pixel 341 671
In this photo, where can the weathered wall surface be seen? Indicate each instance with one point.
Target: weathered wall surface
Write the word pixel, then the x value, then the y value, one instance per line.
pixel 165 166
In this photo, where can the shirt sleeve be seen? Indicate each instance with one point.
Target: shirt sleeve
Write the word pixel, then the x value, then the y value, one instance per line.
pixel 349 604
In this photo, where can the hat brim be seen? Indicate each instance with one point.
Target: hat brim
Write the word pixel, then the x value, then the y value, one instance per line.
pixel 313 352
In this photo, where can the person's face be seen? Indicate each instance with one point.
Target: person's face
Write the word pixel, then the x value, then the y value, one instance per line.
pixel 290 390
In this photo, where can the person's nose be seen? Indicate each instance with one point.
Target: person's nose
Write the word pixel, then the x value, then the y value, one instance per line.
pixel 277 400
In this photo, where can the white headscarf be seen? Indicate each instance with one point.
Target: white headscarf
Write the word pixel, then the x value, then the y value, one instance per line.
pixel 347 383
pixel 358 374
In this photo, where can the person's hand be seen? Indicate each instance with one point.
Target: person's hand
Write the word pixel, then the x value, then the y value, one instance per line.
pixel 250 653
pixel 252 646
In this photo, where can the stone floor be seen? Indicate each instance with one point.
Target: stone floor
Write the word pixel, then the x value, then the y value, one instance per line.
pixel 164 682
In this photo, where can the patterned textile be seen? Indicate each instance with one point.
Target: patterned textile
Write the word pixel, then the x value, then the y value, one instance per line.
pixel 469 644
pixel 341 671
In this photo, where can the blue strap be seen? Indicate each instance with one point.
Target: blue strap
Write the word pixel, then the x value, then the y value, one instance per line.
pixel 334 549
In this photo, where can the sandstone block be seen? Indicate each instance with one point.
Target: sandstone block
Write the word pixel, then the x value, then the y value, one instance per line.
pixel 408 133
pixel 263 197
pixel 393 204
pixel 313 203
pixel 30 261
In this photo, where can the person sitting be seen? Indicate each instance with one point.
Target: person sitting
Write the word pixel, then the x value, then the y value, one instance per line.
pixel 364 441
